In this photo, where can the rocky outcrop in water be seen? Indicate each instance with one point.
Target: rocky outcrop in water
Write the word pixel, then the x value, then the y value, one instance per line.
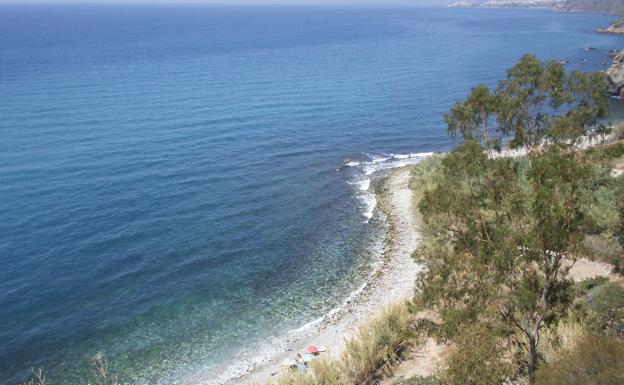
pixel 615 27
pixel 615 75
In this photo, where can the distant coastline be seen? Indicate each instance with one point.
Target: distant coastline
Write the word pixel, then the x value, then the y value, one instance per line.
pixel 609 7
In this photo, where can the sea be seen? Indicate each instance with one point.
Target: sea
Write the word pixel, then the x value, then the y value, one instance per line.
pixel 182 186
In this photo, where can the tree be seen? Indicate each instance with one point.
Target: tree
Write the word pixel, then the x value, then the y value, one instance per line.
pixel 504 231
pixel 536 101
pixel 472 117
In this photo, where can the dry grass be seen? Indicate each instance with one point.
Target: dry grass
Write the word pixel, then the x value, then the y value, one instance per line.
pixel 374 351
pixel 563 337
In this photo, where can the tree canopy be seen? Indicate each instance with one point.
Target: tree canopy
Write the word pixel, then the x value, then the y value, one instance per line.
pixel 504 232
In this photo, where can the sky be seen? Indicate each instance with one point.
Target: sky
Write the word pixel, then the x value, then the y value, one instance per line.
pixel 354 2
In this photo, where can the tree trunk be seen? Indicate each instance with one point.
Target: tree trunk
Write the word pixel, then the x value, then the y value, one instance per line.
pixel 532 357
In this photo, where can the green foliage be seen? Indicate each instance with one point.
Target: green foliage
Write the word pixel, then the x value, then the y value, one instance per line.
pixel 478 358
pixel 471 117
pixel 607 305
pixel 606 248
pixel 594 360
pixel 590 283
pixel 536 101
pixel 499 230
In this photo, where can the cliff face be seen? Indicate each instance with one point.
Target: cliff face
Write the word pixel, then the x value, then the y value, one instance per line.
pixel 615 76
pixel 507 3
pixel 611 7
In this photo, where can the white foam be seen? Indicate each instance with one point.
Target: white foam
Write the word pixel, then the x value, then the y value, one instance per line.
pixel 352 163
pixel 396 160
pixel 379 163
pixel 370 203
pixel 364 184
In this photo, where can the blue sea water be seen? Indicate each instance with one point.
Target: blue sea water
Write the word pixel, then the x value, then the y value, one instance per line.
pixel 172 189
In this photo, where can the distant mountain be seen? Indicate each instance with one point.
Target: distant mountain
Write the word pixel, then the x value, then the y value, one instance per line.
pixel 507 3
pixel 611 7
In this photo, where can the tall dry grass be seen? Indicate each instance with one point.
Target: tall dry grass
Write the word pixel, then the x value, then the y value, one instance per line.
pixel 372 352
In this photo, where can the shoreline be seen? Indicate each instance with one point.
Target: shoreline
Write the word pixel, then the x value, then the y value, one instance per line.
pixel 393 280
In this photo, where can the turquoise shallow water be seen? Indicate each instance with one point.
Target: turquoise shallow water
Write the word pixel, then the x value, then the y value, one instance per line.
pixel 171 181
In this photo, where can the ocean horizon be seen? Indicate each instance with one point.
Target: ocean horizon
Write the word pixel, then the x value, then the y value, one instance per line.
pixel 184 187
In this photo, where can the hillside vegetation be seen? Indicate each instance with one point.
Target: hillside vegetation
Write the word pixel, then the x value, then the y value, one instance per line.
pixel 611 7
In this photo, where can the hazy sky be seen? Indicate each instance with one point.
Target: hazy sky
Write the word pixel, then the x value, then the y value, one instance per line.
pixel 367 2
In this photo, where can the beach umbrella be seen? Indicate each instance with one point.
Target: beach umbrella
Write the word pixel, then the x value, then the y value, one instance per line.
pixel 289 362
pixel 312 349
pixel 309 357
pixel 321 349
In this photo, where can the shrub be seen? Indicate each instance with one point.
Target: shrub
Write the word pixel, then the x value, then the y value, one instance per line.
pixel 327 372
pixel 607 305
pixel 594 360
pixel 590 283
pixel 478 358
pixel 606 248
pixel 377 345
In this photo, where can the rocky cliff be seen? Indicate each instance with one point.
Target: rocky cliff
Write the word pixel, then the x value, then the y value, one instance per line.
pixel 611 7
pixel 615 27
pixel 507 3
pixel 615 75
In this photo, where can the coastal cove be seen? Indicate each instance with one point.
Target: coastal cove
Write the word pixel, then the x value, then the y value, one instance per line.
pixel 197 191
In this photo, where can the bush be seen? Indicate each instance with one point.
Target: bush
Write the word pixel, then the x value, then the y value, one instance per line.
pixel 594 360
pixel 605 248
pixel 478 358
pixel 606 303
pixel 590 283
pixel 377 345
